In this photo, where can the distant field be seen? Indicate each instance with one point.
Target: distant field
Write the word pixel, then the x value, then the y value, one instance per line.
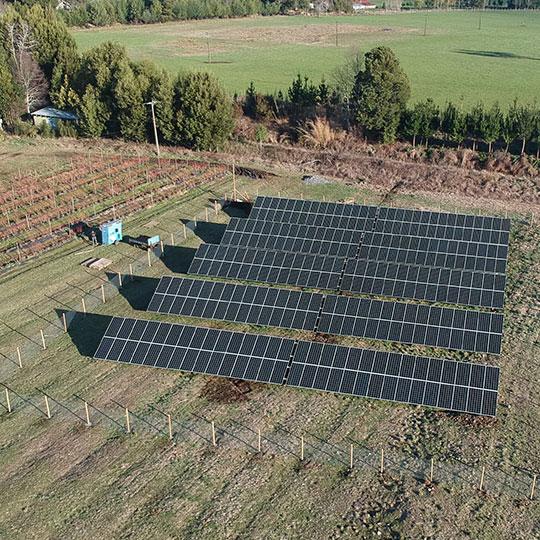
pixel 454 60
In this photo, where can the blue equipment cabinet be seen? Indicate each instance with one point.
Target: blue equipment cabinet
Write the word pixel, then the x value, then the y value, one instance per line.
pixel 111 232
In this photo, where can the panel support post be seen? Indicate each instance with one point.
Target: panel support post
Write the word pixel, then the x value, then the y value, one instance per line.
pixel 103 293
pixel 130 270
pixel 83 305
pixel 65 322
pixel 184 229
pixel 43 344
pixel 172 239
pixel 120 279
pixel 149 261
pixel 169 423
pixel 19 357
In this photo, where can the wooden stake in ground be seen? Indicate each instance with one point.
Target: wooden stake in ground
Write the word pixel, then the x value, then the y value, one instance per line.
pixel 65 322
pixel 172 239
pixel 533 485
pixel 8 401
pixel 131 270
pixel 481 486
pixel 184 228
pixel 431 471
pixel 149 261
pixel 352 456
pixel 128 423
pixel 382 461
pixel 19 357
pixel 87 411
pixel 43 340
pixel 234 180
pixel 162 247
pixel 47 408
pixel 259 441
pixel 215 208
pixel 83 305
pixel 103 293
pixel 169 422
pixel 302 448
pixel 120 279
pixel 214 442
pixel 206 213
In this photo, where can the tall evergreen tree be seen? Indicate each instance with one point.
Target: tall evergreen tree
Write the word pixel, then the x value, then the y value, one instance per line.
pixel 380 93
pixel 129 104
pixel 203 114
pixel 490 130
pixel 93 115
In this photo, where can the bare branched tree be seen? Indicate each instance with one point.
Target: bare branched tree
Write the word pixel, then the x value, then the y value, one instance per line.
pixel 27 71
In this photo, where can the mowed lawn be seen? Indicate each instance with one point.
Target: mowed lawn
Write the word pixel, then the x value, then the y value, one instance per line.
pixel 454 60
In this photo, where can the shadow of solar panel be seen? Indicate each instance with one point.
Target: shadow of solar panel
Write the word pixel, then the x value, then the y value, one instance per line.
pixel 300 269
pixel 401 322
pixel 395 377
pixel 424 283
pixel 237 303
pixel 194 349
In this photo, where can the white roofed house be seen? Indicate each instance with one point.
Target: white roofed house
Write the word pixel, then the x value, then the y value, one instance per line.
pixel 51 116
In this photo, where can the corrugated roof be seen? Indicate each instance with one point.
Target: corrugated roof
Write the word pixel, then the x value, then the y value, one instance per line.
pixel 51 112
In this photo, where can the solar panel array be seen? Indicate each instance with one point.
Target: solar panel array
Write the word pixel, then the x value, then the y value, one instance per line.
pixel 389 252
pixel 456 386
pixel 238 303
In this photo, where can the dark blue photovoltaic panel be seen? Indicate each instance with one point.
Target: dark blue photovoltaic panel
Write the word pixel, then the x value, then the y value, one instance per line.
pixel 291 237
pixel 449 328
pixel 394 377
pixel 195 349
pixel 424 283
pixel 300 269
pixel 263 306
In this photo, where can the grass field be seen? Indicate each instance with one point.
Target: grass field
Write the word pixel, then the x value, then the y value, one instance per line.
pixel 60 479
pixel 455 60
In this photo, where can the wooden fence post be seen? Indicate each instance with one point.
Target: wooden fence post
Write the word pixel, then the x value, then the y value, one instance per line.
pixel 302 448
pixel 206 213
pixel 149 261
pixel 533 487
pixel 87 411
pixel 47 408
pixel 131 270
pixel 382 461
pixel 172 239
pixel 65 322
pixel 43 340
pixel 103 293
pixel 128 423
pixel 83 305
pixel 481 486
pixel 431 471
pixel 120 278
pixel 162 247
pixel 259 440
pixel 8 401
pixel 19 357
pixel 169 422
pixel 216 208
pixel 214 442
pixel 184 229
pixel 352 456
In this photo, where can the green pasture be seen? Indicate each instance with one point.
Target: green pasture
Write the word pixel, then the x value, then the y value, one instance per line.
pixel 468 56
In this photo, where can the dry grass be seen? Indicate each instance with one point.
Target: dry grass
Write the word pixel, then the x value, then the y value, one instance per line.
pixel 318 133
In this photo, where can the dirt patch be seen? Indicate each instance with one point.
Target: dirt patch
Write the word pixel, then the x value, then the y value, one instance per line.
pixel 226 390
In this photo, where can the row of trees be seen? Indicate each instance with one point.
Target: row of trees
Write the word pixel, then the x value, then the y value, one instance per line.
pixel 372 92
pixel 39 63
pixel 106 12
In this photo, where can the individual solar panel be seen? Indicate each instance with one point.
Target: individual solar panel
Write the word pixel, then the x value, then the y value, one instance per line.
pixel 449 328
pixel 424 283
pixel 425 251
pixel 197 350
pixel 425 223
pixel 389 376
pixel 291 237
pixel 237 303
pixel 299 269
pixel 325 214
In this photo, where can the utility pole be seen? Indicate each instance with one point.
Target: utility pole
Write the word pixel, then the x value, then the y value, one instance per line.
pixel 152 104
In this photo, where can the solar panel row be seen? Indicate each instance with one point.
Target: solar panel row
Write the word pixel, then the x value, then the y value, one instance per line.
pixel 424 283
pixel 360 317
pixel 447 384
pixel 299 269
pixel 238 303
pixel 291 237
